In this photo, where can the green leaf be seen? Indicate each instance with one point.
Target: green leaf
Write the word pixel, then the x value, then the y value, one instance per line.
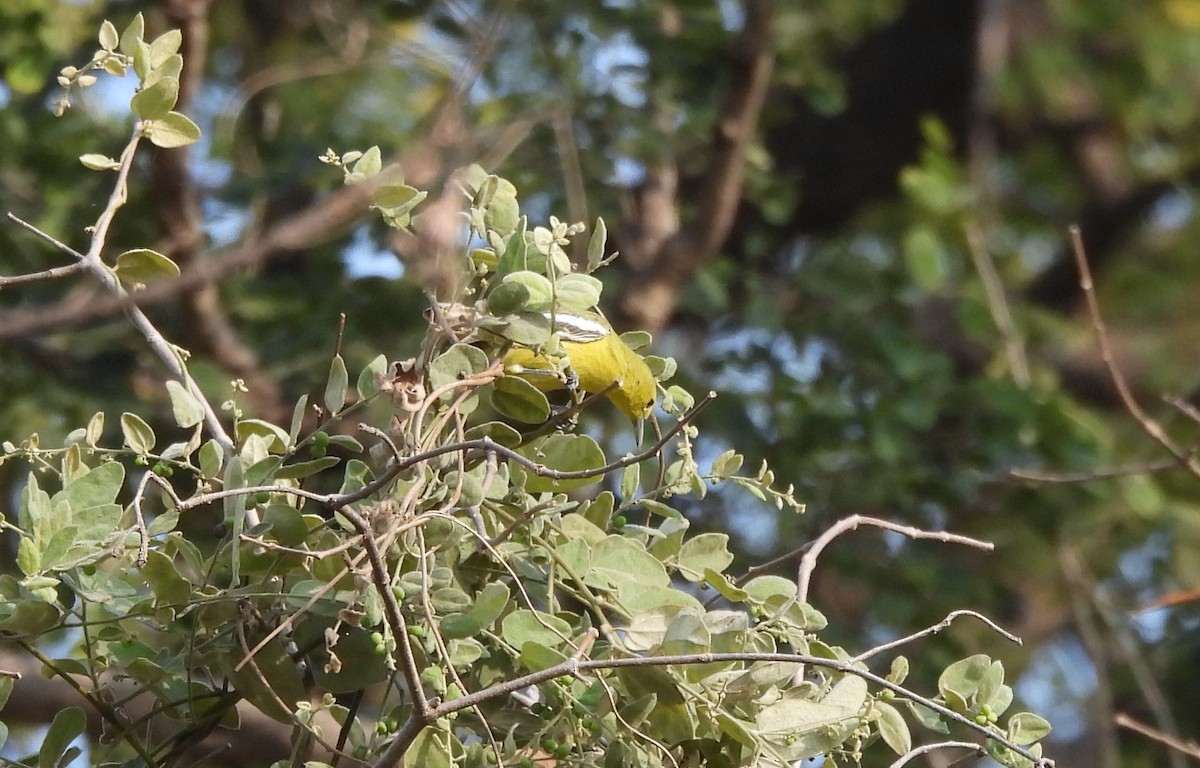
pixel 800 728
pixel 539 287
pixel 536 657
pixel 366 166
pixel 724 586
pixel 366 384
pixel 156 101
pixel 164 47
pixel 303 469
pixel 211 459
pixel 577 293
pixel 498 431
pixel 525 626
pixel 706 552
pixel 163 577
pixel 336 386
pixel 926 258
pixel 582 528
pixel 519 400
pixel 563 453
pixel 458 626
pixel 172 66
pixel 184 405
pixel 631 478
pixel 345 443
pixel 142 265
pixel 285 524
pixel 762 587
pixel 599 512
pixel 428 750
pixel 29 557
pixel 728 463
pixel 138 434
pixel 898 672
pixel 1026 728
pixel 621 564
pixel 109 39
pixel 529 329
pixel 276 440
pixel 97 162
pixel 173 130
pixel 515 256
pixel 95 429
pixel 595 251
pixel 455 364
pixel 959 682
pixel 141 59
pixel 273 679
pixel 396 202
pixel 893 728
pixel 133 35
pixel 508 298
pixel 67 726
pixel 503 213
pixel 95 488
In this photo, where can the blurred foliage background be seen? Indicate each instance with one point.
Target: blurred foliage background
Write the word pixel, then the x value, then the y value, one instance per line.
pixel 847 218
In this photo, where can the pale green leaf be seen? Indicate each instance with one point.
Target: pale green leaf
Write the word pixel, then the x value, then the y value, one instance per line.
pixel 109 39
pixel 156 101
pixel 336 385
pixel 133 35
pixel 98 162
pixel 184 405
pixel 138 434
pixel 142 265
pixel 173 130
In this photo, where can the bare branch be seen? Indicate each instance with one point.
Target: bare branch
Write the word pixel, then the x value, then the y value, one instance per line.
pixel 933 630
pixel 573 666
pixel 808 563
pixel 1189 747
pixel 926 749
pixel 1148 425
pixel 997 302
pixel 667 263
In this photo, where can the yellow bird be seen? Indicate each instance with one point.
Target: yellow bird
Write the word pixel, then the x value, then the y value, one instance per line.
pixel 599 359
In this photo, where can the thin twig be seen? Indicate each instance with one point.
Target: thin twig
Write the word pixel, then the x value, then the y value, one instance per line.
pixel 1148 425
pixel 770 565
pixel 808 563
pixel 485 445
pixel 47 237
pixel 1189 748
pixel 933 630
pixel 1147 468
pixel 46 274
pixel 927 748
pixel 167 353
pixel 997 302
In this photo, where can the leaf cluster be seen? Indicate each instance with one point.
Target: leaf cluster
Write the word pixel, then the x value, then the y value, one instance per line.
pixel 476 589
